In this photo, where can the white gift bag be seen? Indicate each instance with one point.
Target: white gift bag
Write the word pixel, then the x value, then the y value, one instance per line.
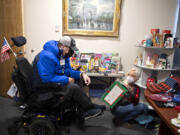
pixel 12 90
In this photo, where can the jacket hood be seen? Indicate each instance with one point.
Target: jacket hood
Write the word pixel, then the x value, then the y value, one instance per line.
pixel 52 46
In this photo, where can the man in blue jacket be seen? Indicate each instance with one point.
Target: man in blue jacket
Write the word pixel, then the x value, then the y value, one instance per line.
pixel 53 66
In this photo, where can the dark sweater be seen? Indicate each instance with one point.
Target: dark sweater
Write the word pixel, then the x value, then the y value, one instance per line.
pixel 130 97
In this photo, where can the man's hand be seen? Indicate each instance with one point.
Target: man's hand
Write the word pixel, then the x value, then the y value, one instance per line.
pixel 71 80
pixel 86 79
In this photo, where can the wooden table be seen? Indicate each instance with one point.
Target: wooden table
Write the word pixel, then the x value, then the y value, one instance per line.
pixel 166 114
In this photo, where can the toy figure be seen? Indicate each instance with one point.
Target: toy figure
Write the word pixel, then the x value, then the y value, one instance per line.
pixel 140 59
pixel 136 60
pixel 154 60
pixel 129 107
pixel 155 37
pixel 163 61
pixel 148 62
pixel 148 40
pixel 176 42
pixel 91 62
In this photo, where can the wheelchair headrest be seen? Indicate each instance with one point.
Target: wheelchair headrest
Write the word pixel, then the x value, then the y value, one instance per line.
pixel 19 41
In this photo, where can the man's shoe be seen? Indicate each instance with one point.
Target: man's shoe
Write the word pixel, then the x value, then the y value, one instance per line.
pixel 92 113
pixel 102 107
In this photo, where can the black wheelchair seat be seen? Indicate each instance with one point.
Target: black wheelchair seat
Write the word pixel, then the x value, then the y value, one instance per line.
pixel 46 104
pixel 39 96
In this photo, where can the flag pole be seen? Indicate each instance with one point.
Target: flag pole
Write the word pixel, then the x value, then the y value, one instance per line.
pixel 10 48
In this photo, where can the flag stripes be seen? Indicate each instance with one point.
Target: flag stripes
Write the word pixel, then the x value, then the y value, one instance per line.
pixel 4 51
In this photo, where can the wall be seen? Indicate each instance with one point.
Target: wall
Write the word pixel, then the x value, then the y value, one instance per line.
pixel 137 18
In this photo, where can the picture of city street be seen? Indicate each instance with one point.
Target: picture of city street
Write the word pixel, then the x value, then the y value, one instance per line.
pixel 91 15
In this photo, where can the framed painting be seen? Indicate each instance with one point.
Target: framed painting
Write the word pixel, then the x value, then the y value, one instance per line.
pixel 91 17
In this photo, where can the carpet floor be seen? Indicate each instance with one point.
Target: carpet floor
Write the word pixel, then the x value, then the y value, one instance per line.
pixel 101 125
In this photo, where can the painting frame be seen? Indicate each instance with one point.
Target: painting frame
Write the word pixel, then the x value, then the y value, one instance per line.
pixel 74 26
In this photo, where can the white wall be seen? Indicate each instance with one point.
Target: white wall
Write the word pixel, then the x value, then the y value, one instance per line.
pixel 137 18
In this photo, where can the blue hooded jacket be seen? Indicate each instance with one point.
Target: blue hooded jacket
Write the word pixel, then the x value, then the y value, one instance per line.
pixel 49 66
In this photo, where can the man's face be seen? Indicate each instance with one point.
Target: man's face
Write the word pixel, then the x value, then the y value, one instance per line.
pixel 65 50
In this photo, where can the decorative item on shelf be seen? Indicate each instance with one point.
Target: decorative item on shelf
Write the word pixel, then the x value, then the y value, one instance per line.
pixel 84 65
pixel 157 57
pixel 155 37
pixel 139 43
pixel 91 62
pixel 74 65
pixel 143 42
pixel 96 65
pixel 164 32
pixel 148 40
pixel 107 62
pixel 161 41
pixel 102 69
pixel 148 62
pixel 116 62
pixel 163 61
pixel 138 60
pixel 74 60
pixel 85 61
pixel 168 65
pixel 96 62
pixel 113 67
pixel 168 41
pixel 176 42
pixel 154 60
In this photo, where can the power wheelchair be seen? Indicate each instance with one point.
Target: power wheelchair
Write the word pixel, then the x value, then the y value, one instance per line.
pixel 47 110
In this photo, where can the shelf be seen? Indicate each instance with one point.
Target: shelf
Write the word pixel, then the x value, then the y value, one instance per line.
pixel 156 47
pixel 140 85
pixel 157 69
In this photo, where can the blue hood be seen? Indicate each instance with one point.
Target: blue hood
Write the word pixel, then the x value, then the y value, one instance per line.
pixel 50 68
pixel 52 46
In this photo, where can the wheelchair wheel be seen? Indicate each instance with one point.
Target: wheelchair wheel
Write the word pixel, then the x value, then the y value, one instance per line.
pixel 41 127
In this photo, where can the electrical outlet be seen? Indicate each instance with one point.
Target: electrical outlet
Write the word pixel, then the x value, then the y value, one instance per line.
pixel 57 28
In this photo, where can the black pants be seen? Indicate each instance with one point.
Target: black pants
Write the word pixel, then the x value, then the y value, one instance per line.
pixel 74 92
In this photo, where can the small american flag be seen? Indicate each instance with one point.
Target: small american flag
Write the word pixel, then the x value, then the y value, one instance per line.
pixel 4 54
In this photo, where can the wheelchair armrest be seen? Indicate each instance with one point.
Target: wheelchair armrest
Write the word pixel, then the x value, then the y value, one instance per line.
pixel 50 88
pixel 52 85
pixel 45 87
pixel 49 93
